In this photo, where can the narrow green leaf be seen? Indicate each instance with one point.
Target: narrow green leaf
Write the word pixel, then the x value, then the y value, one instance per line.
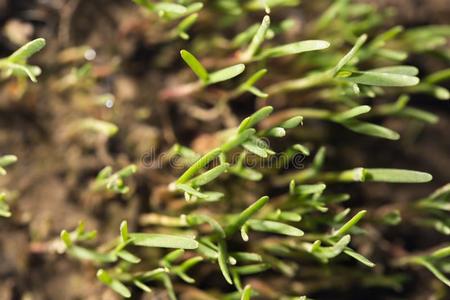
pixel 210 175
pixel 124 231
pixel 104 173
pixel 255 118
pixel 200 219
pixel 396 175
pixel 7 160
pixel 256 148
pixel 319 158
pixel 223 261
pixel 349 56
pixel 352 113
pixel 257 92
pixel 441 253
pixel 274 227
pixel 352 222
pixel 285 216
pixel 195 65
pixel 163 241
pixel 277 132
pixel 26 51
pixel 418 114
pixel 114 284
pixel 404 70
pixel 103 127
pixel 198 165
pixel 244 233
pixel 211 196
pixel 173 256
pixel 190 191
pixel 247 173
pixel 247 257
pixel 371 129
pixel 390 54
pixel 293 48
pixel 292 122
pixel 237 140
pixel 359 257
pixel 253 79
pixel 127 171
pixel 438 76
pixel 439 275
pixel 129 257
pixel 149 275
pixel 380 40
pixel 226 74
pixel 331 13
pixel 326 253
pixel 338 247
pixel 190 263
pixel 142 286
pixel 170 8
pixel 246 215
pixel 381 79
pixel 309 189
pixel 245 36
pixel 302 149
pixel 194 7
pixel 185 25
pixel 23 70
pixel 251 269
pixel 258 39
pixel 91 255
pixel 4 211
pixel 246 293
pixel 65 237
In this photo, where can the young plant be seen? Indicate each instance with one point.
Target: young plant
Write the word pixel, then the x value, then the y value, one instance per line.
pixel 174 11
pixel 434 209
pixel 217 213
pixel 5 161
pixel 17 63
pixel 432 262
pixel 210 78
pixel 116 252
pixel 114 182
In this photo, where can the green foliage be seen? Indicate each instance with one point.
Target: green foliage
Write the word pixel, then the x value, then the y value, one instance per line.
pixel 186 12
pixel 434 210
pixel 4 207
pixel 96 126
pixel 431 262
pixel 210 218
pixel 17 63
pixel 114 182
pixel 210 78
pixel 5 160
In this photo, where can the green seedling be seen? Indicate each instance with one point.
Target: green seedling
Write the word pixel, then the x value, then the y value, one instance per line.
pixel 114 182
pixel 187 13
pixel 214 77
pixel 434 210
pixel 95 126
pixel 349 71
pixel 431 261
pixel 5 160
pixel 17 63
